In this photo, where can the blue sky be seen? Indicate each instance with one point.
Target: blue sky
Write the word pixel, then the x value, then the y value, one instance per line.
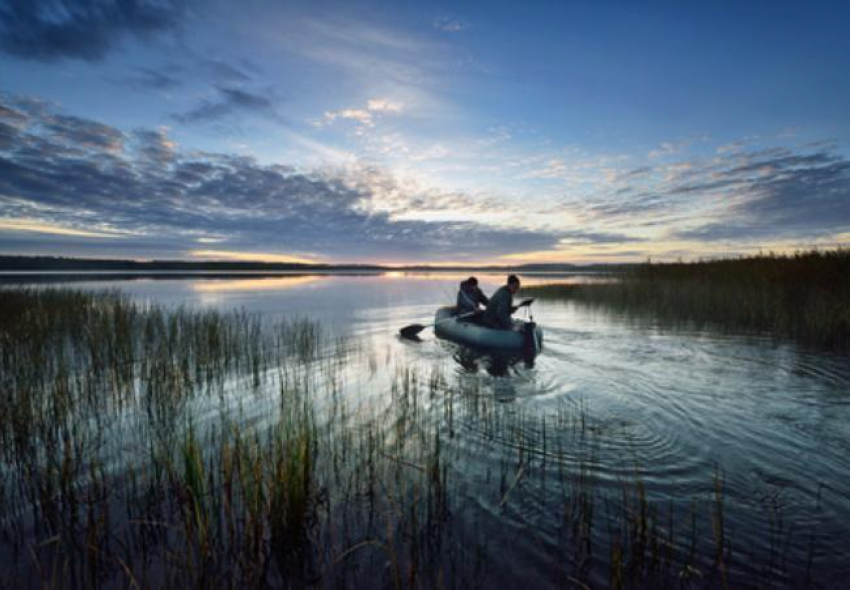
pixel 423 132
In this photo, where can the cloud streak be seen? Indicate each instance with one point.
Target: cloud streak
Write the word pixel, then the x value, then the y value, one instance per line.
pixel 230 101
pixel 148 78
pixel 449 24
pixel 66 29
pixel 773 193
pixel 365 116
pixel 793 195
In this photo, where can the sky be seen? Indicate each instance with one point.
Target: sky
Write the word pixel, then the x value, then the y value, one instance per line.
pixel 423 132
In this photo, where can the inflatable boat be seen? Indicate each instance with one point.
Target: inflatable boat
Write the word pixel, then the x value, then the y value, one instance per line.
pixel 449 327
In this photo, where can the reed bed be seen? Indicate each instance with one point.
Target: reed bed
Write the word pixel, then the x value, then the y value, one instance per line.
pixel 153 447
pixel 804 296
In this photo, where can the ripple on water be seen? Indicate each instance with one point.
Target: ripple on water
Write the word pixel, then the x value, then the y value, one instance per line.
pixel 677 409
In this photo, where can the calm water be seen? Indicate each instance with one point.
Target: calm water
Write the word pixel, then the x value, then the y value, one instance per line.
pixel 672 406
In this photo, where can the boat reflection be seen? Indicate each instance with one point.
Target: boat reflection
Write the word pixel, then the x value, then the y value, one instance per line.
pixel 502 365
pixel 497 363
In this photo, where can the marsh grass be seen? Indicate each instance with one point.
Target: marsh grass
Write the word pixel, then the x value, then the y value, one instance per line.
pixel 150 447
pixel 805 296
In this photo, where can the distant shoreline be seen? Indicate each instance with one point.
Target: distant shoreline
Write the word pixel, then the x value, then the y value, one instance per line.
pixel 70 276
pixel 57 266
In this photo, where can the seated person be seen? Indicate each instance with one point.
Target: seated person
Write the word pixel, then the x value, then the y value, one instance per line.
pixel 469 297
pixel 499 310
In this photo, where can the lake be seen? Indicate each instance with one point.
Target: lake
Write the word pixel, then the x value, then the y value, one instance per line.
pixel 625 446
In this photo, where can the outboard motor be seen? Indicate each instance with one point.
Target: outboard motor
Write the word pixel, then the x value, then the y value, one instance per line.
pixel 530 345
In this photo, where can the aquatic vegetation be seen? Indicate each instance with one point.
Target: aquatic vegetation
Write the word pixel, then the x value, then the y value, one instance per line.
pixel 805 296
pixel 147 446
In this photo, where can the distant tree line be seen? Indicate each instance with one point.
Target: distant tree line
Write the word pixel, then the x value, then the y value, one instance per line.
pixel 59 263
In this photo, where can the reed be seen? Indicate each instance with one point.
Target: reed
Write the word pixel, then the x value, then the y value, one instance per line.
pixel 148 447
pixel 802 296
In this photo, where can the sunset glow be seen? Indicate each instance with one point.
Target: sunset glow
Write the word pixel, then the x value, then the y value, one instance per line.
pixel 249 256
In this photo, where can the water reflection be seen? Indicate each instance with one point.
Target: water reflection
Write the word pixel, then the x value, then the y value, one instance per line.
pixel 670 405
pixel 504 367
pixel 496 363
pixel 255 284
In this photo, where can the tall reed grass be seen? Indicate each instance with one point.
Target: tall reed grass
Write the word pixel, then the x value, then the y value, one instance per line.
pixel 145 446
pixel 804 296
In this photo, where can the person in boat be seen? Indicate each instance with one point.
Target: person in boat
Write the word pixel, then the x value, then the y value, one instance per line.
pixel 501 306
pixel 469 298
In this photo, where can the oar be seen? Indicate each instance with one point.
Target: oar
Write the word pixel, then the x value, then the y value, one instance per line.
pixel 412 331
pixel 524 303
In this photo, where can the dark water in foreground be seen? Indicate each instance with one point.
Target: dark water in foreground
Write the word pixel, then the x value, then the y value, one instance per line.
pixel 679 411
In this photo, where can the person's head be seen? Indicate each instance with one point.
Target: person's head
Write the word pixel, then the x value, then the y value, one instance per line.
pixel 472 282
pixel 513 284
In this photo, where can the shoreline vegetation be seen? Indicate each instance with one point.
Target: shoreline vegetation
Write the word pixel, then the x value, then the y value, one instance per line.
pixel 147 446
pixel 804 296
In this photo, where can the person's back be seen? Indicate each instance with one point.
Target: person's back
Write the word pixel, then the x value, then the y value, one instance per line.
pixel 501 306
pixel 469 296
pixel 498 312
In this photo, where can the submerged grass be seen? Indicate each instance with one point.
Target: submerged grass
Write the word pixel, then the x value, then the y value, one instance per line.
pixel 150 447
pixel 805 296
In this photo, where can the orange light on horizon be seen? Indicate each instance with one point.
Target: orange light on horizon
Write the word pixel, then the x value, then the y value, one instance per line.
pixel 226 255
pixel 41 227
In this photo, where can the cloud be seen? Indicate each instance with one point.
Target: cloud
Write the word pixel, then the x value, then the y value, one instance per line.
pixel 555 168
pixel 152 79
pixel 365 116
pixel 84 133
pixel 434 152
pixel 362 116
pixel 596 237
pixel 366 51
pixel 163 199
pixel 52 30
pixel 11 121
pixel 230 101
pixel 449 24
pixel 12 116
pixel 666 148
pixel 223 72
pixel 732 147
pixel 382 105
pixel 188 66
pixel 155 146
pixel 635 173
pixel 250 256
pixel 739 193
pixel 29 225
pixel 788 196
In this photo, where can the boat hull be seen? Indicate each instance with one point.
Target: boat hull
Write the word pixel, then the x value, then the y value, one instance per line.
pixel 471 334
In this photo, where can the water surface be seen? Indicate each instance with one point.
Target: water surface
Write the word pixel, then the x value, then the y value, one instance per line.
pixel 676 409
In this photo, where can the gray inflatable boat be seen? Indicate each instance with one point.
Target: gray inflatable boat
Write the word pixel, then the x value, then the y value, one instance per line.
pixel 447 326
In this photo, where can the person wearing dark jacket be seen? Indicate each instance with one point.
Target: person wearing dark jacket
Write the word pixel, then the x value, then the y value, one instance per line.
pixel 469 297
pixel 499 310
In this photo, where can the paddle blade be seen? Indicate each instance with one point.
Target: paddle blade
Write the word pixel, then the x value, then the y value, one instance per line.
pixel 411 331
